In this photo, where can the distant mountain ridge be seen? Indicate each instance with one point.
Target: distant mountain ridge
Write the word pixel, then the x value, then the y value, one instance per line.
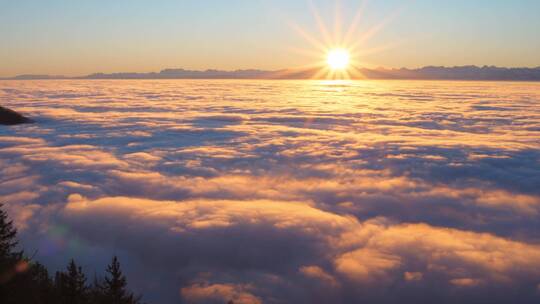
pixel 182 74
pixel 425 73
pixel 457 73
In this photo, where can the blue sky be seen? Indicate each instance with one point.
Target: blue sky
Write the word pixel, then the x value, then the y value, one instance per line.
pixel 78 37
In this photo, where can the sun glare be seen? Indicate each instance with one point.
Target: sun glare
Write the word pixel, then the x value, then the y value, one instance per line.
pixel 338 59
pixel 338 52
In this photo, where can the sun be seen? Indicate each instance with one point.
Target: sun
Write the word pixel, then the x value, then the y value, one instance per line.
pixel 338 59
pixel 339 52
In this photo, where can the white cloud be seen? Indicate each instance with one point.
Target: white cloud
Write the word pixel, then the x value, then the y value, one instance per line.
pixel 226 193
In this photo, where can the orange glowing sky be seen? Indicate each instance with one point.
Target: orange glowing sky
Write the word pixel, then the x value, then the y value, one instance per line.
pixel 74 38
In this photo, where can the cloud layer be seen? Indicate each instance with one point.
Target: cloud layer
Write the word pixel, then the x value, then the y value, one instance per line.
pixel 277 192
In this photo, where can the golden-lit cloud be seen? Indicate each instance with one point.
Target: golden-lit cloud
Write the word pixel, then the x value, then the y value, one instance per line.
pixel 370 253
pixel 205 293
pixel 299 191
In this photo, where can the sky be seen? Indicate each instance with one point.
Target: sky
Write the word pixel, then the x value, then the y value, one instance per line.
pixel 81 37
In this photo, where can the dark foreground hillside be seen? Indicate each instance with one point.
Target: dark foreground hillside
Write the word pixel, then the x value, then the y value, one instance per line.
pixel 10 117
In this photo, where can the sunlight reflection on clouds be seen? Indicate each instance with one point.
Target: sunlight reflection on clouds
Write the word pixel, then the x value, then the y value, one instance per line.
pixel 239 189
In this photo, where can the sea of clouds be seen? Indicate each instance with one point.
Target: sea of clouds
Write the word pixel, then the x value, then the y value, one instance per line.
pixel 282 191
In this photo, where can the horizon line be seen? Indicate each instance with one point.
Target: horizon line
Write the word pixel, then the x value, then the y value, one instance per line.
pixel 492 72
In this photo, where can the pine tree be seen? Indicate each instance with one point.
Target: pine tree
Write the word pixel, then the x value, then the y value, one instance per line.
pixel 115 286
pixel 71 285
pixel 42 284
pixel 33 286
pixel 23 281
pixel 95 291
pixel 8 235
pixel 9 258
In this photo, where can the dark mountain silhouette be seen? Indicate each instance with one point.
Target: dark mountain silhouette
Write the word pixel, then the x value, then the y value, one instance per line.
pixel 10 117
pixel 457 73
pixel 425 73
pixel 183 74
pixel 32 76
